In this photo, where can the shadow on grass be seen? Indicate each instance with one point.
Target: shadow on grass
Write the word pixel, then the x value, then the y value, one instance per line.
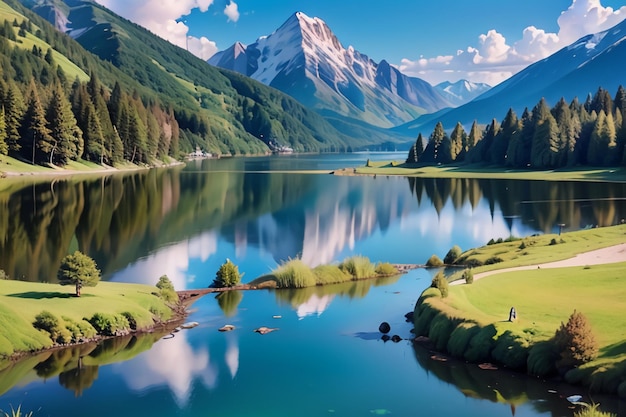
pixel 615 349
pixel 38 295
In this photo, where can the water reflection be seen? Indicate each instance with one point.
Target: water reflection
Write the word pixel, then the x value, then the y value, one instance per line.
pixel 507 387
pixel 139 226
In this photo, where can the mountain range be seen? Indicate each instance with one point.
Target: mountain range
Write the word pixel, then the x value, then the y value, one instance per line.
pixel 575 71
pixel 305 59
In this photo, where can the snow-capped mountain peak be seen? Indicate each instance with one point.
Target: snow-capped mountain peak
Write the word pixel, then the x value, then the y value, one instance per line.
pixel 305 59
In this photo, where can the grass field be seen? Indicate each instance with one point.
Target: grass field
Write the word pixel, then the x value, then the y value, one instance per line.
pixel 482 171
pixel 20 302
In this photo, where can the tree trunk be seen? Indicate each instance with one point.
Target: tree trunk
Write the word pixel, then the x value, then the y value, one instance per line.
pixel 78 289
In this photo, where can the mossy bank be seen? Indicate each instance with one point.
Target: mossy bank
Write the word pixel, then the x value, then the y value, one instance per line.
pixel 472 322
pixel 38 316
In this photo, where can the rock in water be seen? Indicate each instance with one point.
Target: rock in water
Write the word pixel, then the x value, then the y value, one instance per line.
pixel 265 330
pixel 226 328
pixel 384 327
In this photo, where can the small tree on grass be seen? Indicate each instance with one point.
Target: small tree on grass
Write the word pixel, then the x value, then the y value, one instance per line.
pixel 79 270
pixel 227 276
pixel 575 342
pixel 441 283
pixel 434 261
pixel 166 289
pixel 468 276
pixel 452 255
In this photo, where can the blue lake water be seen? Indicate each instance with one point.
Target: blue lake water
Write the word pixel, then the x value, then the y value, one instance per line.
pixel 326 358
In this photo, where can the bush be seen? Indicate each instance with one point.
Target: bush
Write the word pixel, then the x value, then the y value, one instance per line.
pixel 109 324
pixel 575 342
pixel 132 322
pixel 441 283
pixel 460 338
pixel 294 274
pixel 46 321
pixel 511 350
pixel 474 263
pixel 553 242
pixel 453 254
pixel 166 290
pixel 227 276
pixel 434 261
pixel 541 359
pixel 592 411
pixel 493 260
pixel 481 344
pixel 359 267
pixel 386 269
pixel 468 276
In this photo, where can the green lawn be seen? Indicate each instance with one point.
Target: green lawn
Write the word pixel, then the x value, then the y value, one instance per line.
pixel 20 302
pixel 482 171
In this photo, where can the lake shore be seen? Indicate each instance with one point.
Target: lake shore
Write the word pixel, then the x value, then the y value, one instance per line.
pixel 470 323
pixel 399 168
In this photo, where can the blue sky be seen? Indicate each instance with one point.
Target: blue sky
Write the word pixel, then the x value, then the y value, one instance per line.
pixel 480 40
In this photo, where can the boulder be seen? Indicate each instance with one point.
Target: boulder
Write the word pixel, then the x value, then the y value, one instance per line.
pixel 265 330
pixel 226 328
pixel 384 327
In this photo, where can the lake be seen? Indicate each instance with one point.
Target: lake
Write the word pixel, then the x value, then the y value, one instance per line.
pixel 326 358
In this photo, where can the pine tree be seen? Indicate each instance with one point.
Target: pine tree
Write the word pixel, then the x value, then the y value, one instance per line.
pixel 518 153
pixel 575 342
pixel 4 148
pixel 36 142
pixel 416 150
pixel 500 145
pixel 14 108
pixel 602 145
pixel 458 139
pixel 438 148
pixel 545 139
pixel 63 129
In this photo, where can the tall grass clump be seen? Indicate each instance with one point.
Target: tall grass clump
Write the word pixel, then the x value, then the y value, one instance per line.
pixel 330 274
pixel 386 269
pixel 16 412
pixel 359 267
pixel 592 411
pixel 294 274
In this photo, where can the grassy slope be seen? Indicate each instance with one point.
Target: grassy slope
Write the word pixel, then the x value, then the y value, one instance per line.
pixel 20 302
pixel 479 171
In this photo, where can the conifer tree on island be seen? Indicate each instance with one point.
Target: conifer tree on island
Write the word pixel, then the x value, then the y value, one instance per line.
pixel 227 276
pixel 79 270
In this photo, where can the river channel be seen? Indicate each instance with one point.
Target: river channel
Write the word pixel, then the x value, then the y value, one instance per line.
pixel 327 357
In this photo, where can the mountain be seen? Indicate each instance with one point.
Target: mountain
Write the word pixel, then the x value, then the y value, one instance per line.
pixel 218 110
pixel 462 91
pixel 575 71
pixel 304 59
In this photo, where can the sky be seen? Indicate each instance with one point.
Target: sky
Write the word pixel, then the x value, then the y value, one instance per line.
pixel 444 40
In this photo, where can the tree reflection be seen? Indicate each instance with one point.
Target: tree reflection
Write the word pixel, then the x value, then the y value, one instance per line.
pixel 229 301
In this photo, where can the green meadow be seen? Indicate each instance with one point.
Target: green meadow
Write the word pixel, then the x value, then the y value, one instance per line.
pixel 21 302
pixel 472 322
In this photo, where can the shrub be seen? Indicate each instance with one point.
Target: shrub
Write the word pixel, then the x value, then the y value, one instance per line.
pixel 132 322
pixel 109 324
pixel 294 274
pixel 491 242
pixel 591 410
pixel 553 242
pixel 166 289
pixel 453 254
pixel 440 329
pixel 493 260
pixel 46 321
pixel 474 263
pixel 541 359
pixel 460 338
pixel 511 350
pixel 441 283
pixel 468 276
pixel 359 267
pixel 434 261
pixel 386 269
pixel 481 344
pixel 522 245
pixel 227 276
pixel 575 342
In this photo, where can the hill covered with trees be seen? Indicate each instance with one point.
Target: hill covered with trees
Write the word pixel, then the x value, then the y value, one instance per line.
pixel 592 133
pixel 135 97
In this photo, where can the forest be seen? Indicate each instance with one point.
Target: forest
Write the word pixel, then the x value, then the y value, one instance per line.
pixel 592 133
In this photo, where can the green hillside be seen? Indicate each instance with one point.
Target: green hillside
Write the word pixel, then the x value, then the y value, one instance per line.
pixel 217 110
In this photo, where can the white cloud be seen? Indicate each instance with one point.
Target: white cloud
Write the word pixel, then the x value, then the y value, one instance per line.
pixel 162 19
pixel 493 60
pixel 232 11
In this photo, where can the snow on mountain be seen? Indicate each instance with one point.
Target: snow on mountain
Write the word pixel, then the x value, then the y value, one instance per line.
pixel 462 91
pixel 305 59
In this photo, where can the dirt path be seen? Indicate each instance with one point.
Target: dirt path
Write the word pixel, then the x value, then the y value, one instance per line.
pixel 608 255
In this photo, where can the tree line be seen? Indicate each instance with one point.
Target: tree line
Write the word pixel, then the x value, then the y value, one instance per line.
pixel 592 133
pixel 45 119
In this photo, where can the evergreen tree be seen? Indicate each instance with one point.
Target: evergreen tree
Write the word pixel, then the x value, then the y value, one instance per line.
pixel 13 105
pixel 458 139
pixel 520 145
pixel 36 142
pixel 474 136
pixel 500 145
pixel 545 140
pixel 416 151
pixel 603 143
pixel 575 341
pixel 4 148
pixel 602 101
pixel 438 148
pixel 63 129
pixel 567 134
